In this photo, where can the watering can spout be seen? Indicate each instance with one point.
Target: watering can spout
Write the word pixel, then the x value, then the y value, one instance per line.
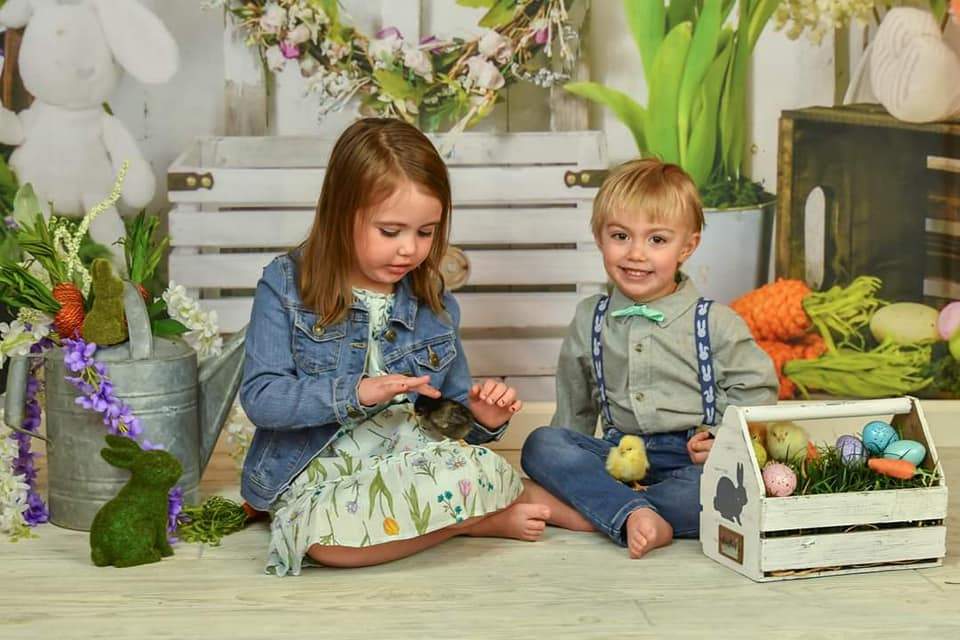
pixel 219 381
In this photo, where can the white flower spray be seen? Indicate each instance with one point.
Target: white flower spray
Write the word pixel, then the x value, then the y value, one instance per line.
pixel 203 334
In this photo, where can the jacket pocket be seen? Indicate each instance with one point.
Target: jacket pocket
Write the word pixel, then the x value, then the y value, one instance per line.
pixel 316 349
pixel 434 356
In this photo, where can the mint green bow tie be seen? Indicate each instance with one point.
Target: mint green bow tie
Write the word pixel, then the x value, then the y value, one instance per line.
pixel 639 309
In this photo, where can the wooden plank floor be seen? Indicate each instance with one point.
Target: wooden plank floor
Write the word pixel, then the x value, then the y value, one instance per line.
pixel 569 585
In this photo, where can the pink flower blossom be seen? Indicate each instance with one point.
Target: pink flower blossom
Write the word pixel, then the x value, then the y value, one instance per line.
pixel 289 50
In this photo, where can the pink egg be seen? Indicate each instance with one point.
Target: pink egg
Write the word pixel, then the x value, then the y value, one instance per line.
pixel 949 320
pixel 779 480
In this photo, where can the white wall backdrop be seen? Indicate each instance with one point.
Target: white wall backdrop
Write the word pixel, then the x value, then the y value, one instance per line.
pixel 786 75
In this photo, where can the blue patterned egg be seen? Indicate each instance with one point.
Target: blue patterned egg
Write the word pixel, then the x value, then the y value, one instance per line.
pixel 906 450
pixel 851 450
pixel 877 435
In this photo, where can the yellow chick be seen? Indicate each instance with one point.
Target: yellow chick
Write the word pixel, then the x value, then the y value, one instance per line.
pixel 787 442
pixel 628 462
pixel 759 451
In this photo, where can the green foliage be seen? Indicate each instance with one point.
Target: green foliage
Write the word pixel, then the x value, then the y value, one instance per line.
pixel 18 288
pixel 696 70
pixel 141 251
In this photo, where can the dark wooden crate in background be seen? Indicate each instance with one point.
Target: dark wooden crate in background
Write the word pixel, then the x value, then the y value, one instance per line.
pixel 892 199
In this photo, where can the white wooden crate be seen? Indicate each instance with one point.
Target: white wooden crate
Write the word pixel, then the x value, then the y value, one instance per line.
pixel 827 534
pixel 239 201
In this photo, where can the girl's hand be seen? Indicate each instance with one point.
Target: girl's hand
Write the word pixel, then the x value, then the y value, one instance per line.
pixel 698 447
pixel 373 391
pixel 492 403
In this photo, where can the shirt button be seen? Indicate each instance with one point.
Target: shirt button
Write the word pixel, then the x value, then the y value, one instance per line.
pixel 318 329
pixel 638 397
pixel 390 335
pixel 638 348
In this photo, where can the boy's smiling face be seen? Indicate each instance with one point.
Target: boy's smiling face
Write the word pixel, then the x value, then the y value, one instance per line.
pixel 642 257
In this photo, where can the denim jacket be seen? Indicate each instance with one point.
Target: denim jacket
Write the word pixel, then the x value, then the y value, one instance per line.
pixel 300 378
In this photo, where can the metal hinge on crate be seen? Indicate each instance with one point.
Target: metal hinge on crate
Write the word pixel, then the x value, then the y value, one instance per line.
pixel 588 178
pixel 189 181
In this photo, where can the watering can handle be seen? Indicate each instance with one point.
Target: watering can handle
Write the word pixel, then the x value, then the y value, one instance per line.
pixel 138 323
pixel 16 396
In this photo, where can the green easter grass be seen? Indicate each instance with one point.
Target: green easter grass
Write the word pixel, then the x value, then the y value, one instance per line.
pixel 829 474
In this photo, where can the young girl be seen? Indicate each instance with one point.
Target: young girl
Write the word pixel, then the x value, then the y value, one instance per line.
pixel 345 332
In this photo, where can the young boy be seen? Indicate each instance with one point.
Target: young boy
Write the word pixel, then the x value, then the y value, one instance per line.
pixel 669 362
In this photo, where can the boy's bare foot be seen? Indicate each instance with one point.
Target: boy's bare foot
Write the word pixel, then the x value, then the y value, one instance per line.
pixel 520 521
pixel 646 530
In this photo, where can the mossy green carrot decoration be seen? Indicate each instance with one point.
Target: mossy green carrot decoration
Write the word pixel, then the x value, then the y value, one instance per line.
pixel 105 324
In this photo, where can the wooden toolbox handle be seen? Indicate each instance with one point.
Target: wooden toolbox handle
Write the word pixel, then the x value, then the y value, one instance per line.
pixel 828 409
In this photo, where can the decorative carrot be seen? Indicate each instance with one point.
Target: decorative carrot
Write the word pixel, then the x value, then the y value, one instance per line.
pixel 811 345
pixel 787 309
pixel 900 469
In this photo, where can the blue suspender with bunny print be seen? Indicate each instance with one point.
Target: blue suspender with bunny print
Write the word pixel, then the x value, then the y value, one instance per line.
pixel 701 335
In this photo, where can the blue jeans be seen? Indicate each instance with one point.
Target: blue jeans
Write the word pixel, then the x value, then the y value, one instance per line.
pixel 571 466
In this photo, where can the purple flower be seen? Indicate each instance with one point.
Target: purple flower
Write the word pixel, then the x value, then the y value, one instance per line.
pixel 79 354
pixel 11 223
pixel 352 506
pixel 36 512
pixel 289 50
pixel 541 36
pixel 174 508
pixel 389 32
pixel 428 39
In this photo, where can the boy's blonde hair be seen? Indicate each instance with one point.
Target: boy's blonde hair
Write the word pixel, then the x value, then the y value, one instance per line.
pixel 658 190
pixel 370 160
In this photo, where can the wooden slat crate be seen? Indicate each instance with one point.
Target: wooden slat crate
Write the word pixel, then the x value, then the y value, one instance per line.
pixel 892 200
pixel 523 233
pixel 802 536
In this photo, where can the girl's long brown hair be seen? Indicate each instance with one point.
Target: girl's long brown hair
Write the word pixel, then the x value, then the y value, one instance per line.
pixel 369 161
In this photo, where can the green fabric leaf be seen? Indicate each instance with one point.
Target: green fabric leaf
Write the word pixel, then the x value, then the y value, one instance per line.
pixel 168 327
pixel 623 106
pixel 499 14
pixel 647 20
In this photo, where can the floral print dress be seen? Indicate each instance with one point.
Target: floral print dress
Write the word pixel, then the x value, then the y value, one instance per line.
pixel 385 479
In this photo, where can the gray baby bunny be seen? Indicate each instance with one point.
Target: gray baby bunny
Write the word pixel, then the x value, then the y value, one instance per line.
pixel 729 499
pixel 131 529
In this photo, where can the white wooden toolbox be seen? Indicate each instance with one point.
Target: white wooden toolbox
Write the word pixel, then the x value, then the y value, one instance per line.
pixel 815 535
pixel 524 254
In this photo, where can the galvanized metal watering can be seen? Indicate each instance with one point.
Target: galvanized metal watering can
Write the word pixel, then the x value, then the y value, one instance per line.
pixel 181 405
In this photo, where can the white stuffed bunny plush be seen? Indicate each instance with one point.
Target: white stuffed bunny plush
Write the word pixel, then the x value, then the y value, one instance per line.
pixel 70 149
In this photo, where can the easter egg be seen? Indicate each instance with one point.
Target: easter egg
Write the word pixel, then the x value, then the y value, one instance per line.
pixel 954 346
pixel 877 435
pixel 851 450
pixel 905 323
pixel 949 320
pixel 779 480
pixel 909 450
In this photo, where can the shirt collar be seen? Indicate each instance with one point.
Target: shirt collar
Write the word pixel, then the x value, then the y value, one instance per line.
pixel 672 306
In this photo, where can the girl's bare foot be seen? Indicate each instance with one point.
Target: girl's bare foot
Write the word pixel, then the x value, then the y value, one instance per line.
pixel 520 521
pixel 646 530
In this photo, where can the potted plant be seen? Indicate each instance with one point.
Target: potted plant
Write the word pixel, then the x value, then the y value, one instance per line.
pixel 695 59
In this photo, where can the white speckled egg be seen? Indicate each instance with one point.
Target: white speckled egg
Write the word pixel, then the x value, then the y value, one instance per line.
pixel 779 480
pixel 877 435
pixel 851 450
pixel 910 450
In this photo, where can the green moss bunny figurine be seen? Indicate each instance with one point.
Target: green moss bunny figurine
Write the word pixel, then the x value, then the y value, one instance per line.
pixel 106 323
pixel 131 529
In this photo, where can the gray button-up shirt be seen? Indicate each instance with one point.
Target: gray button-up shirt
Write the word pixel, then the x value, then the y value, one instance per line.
pixel 651 368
